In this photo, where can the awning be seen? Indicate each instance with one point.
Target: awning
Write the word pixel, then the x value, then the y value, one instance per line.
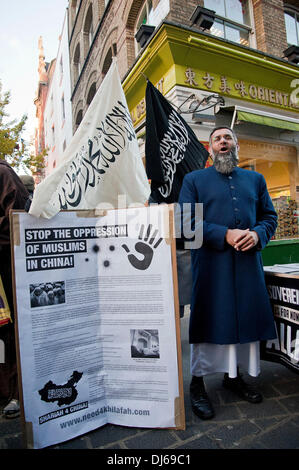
pixel 264 118
pixel 267 121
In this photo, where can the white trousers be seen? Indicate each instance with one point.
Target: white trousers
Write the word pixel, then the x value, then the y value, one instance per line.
pixel 207 358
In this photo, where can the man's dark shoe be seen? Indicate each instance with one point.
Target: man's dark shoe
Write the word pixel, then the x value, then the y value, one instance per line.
pixel 200 402
pixel 242 389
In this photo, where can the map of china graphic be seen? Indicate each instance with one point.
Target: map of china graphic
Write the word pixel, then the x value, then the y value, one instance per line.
pixel 63 394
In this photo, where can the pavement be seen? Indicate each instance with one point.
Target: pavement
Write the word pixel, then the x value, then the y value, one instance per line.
pixel 272 424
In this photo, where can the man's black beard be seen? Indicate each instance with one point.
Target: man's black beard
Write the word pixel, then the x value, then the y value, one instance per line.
pixel 225 163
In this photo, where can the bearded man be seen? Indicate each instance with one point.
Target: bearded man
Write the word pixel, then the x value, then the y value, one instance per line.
pixel 230 308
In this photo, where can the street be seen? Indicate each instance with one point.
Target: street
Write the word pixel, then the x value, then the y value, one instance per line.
pixel 272 424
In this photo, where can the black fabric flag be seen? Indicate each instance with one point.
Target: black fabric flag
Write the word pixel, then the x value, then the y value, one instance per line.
pixel 171 148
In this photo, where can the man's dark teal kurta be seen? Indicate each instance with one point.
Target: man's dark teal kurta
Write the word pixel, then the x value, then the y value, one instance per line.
pixel 230 303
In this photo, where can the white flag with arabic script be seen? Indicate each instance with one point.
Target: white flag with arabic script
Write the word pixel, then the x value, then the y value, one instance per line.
pixel 102 161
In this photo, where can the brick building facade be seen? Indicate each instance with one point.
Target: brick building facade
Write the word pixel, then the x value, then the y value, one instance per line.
pixel 244 52
pixel 100 29
pixel 45 73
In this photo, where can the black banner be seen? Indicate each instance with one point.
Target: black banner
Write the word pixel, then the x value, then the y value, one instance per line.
pixel 171 148
pixel 284 296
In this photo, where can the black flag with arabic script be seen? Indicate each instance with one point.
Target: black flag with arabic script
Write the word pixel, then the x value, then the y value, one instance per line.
pixel 171 149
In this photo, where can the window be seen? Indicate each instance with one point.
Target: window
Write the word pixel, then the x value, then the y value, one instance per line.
pixel 77 66
pixel 78 119
pixel 232 20
pixel 146 15
pixel 74 10
pixel 88 30
pixel 291 17
pixel 114 49
pixel 90 33
pixel 112 52
pixel 77 7
pixel 150 14
pixel 278 164
pixel 145 18
pixel 91 93
pixel 107 62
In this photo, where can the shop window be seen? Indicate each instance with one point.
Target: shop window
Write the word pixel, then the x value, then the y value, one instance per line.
pixel 291 17
pixel 278 164
pixel 232 20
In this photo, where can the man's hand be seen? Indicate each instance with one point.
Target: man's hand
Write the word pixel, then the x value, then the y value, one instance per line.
pixel 241 240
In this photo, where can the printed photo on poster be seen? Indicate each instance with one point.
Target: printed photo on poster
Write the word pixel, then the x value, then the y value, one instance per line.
pixel 145 343
pixel 44 294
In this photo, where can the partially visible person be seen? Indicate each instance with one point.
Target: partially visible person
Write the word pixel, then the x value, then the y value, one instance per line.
pixel 29 184
pixel 13 195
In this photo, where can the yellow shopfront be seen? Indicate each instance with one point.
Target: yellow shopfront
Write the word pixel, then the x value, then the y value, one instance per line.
pixel 237 87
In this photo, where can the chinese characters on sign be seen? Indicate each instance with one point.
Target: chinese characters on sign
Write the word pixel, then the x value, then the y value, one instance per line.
pixel 190 75
pixel 233 87
pixel 228 86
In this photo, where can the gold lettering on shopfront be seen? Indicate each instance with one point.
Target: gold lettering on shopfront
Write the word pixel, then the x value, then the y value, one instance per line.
pixel 255 92
pixel 271 96
pixel 190 75
pixel 208 80
pixel 224 88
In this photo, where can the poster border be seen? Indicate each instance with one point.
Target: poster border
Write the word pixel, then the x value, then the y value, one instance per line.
pixel 179 407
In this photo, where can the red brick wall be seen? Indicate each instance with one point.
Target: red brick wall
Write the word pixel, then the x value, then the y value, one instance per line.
pixel 270 26
pixel 181 11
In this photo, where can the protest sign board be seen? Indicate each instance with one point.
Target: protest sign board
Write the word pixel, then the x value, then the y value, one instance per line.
pixel 283 291
pixel 97 322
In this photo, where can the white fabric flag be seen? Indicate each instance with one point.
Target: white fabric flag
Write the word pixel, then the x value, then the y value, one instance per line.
pixel 102 161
